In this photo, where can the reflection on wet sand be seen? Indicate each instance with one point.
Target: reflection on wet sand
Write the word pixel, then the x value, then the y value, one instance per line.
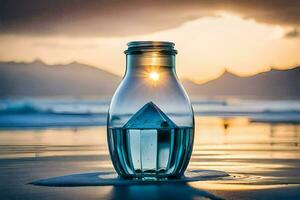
pixel 258 156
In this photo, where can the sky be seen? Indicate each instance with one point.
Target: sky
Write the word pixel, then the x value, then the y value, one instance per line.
pixel 211 36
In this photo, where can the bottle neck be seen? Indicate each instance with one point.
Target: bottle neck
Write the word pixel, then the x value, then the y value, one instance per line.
pixel 150 61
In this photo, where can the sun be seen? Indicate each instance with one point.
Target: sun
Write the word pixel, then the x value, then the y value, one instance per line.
pixel 154 76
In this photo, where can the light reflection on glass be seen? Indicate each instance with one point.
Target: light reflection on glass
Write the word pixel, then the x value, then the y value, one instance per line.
pixel 154 76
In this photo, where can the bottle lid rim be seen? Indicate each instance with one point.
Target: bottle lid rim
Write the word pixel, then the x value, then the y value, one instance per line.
pixel 146 46
pixel 150 44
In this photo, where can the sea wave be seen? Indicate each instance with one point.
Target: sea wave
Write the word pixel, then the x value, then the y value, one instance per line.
pixel 81 112
pixel 46 106
pixel 99 106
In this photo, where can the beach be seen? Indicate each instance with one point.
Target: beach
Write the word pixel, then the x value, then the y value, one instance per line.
pixel 262 159
pixel 149 100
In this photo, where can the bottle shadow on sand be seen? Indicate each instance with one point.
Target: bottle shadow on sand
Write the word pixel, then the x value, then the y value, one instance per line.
pixel 168 191
pixel 139 189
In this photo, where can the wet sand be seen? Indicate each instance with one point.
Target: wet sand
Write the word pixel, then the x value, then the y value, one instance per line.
pixel 263 161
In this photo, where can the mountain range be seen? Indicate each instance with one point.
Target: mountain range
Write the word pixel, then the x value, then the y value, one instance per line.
pixel 38 79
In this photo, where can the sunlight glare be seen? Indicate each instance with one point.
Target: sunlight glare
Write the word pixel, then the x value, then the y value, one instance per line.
pixel 154 76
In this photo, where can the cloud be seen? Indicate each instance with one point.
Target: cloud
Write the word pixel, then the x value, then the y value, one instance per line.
pixel 94 18
pixel 66 46
pixel 292 34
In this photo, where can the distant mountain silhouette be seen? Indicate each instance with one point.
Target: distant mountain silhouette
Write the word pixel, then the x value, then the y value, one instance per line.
pixel 38 79
pixel 283 84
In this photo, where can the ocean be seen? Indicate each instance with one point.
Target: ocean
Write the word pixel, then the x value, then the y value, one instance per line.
pixel 43 113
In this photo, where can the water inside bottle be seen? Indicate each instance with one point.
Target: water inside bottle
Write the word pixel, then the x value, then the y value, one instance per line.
pixel 150 144
pixel 152 152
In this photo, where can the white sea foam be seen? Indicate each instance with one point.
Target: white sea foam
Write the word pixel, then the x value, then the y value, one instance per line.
pixel 86 112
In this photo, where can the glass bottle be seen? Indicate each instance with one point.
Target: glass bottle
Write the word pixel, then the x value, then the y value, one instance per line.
pixel 150 127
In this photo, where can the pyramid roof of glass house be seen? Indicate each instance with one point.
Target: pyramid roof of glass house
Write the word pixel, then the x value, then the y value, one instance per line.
pixel 149 117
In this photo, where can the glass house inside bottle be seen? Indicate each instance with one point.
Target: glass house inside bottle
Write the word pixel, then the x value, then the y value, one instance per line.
pixel 150 128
